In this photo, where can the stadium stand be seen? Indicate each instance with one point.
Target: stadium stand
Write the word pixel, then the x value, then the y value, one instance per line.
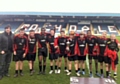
pixel 97 28
pixel 109 28
pixel 14 25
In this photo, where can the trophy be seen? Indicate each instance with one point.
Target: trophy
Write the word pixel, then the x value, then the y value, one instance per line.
pixel 68 44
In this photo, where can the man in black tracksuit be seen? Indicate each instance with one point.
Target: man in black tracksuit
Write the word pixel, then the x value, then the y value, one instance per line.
pixel 6 41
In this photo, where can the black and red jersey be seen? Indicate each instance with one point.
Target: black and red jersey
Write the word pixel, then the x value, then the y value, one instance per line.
pixel 51 41
pixel 20 43
pixel 81 46
pixel 111 51
pixel 72 46
pixel 91 42
pixel 61 43
pixel 32 44
pixel 42 40
pixel 102 43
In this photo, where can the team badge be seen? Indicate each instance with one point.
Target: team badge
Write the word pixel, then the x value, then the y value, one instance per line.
pixel 92 41
pixel 83 41
pixel 44 36
pixel 20 43
pixel 64 40
pixel 49 36
pixel 22 40
pixel 32 41
pixel 105 41
pixel 108 42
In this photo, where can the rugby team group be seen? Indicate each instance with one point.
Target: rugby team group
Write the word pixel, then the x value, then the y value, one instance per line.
pixel 73 48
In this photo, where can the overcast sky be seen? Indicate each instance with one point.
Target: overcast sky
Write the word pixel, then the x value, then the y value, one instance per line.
pixel 92 6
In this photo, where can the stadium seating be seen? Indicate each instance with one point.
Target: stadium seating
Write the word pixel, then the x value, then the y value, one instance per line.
pixel 99 28
pixel 40 24
pixel 83 28
pixel 14 25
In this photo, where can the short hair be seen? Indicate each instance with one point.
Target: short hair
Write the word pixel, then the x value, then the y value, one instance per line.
pixel 42 28
pixel 22 29
pixel 52 29
pixel 32 31
pixel 8 26
pixel 88 31
pixel 112 35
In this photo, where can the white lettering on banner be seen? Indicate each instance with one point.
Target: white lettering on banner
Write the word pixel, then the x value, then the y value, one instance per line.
pixel 26 26
pixel 38 30
pixel 112 29
pixel 72 28
pixel 33 27
pixel 100 29
pixel 58 28
pixel 85 28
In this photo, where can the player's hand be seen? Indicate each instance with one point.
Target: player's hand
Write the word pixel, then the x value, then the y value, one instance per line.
pixel 56 46
pixel 67 48
pixel 14 53
pixel 2 52
pixel 24 55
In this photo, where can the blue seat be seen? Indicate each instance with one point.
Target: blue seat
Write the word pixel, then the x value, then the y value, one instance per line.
pixel 104 27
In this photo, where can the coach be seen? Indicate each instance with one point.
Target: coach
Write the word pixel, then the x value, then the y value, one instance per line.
pixel 6 49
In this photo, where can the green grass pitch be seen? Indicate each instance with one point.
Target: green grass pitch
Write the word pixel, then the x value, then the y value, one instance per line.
pixel 44 79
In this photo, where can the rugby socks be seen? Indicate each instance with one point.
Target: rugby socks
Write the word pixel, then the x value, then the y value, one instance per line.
pixel 78 69
pixel 101 70
pixel 115 74
pixel 16 71
pixel 40 68
pixel 69 70
pixel 90 72
pixel 51 67
pixel 59 68
pixel 96 71
pixel 31 70
pixel 44 67
pixel 107 73
pixel 20 71
pixel 65 68
pixel 83 69
pixel 55 67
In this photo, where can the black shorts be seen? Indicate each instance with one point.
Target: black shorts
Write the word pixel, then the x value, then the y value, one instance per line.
pixel 63 55
pixel 18 56
pixel 31 56
pixel 42 52
pixel 90 57
pixel 72 58
pixel 108 60
pixel 53 56
pixel 101 58
pixel 81 58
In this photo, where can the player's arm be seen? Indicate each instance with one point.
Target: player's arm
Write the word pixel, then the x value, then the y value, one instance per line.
pixel 0 42
pixel 67 45
pixel 56 42
pixel 26 46
pixel 118 45
pixel 76 48
pixel 37 35
pixel 96 49
pixel 1 50
pixel 14 45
